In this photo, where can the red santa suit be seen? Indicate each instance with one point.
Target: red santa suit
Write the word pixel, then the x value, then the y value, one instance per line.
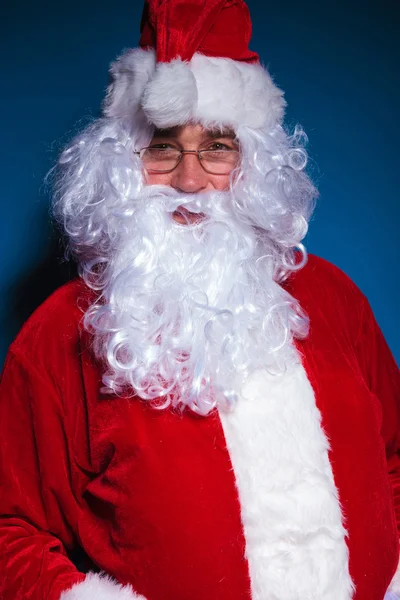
pixel 288 496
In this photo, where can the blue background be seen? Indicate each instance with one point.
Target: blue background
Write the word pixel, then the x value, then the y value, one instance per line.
pixel 338 64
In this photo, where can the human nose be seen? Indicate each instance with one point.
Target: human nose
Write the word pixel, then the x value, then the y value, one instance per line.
pixel 189 176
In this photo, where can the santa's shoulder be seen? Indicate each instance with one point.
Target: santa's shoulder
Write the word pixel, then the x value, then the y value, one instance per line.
pixel 322 283
pixel 56 323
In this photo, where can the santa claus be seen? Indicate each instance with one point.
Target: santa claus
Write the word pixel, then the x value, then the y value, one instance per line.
pixel 206 413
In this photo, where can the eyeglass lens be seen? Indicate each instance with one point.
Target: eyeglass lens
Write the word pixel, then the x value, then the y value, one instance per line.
pixel 162 160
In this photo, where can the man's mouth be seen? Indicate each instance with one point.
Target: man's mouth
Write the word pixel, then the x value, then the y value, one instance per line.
pixel 183 216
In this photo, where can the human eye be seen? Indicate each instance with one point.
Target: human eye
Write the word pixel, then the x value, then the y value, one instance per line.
pixel 219 146
pixel 162 150
pixel 161 146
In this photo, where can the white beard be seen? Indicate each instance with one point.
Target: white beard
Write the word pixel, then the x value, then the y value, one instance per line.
pixel 187 312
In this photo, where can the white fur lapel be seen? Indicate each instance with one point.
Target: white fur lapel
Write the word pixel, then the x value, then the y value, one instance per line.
pixel 295 539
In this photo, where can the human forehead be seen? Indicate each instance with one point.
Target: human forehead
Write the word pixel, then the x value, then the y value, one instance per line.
pixel 194 132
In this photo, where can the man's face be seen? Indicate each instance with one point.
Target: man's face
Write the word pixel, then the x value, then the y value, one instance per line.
pixel 189 177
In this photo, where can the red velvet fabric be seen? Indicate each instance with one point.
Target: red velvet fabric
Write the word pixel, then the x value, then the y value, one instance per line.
pixel 175 28
pixel 357 387
pixel 150 496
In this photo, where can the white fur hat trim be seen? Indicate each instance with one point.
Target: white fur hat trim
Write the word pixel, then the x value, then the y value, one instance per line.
pixel 213 91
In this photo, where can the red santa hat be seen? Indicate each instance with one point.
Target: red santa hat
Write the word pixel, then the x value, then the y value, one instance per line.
pixel 194 64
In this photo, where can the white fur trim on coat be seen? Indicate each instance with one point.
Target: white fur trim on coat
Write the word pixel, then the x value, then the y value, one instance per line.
pixel 393 592
pixel 100 587
pixel 295 539
pixel 214 91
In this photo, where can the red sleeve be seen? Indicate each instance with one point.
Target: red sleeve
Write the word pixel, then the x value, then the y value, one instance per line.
pixel 37 504
pixel 383 379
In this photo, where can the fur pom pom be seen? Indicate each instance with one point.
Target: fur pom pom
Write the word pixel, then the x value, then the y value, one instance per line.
pixel 170 98
pixel 100 587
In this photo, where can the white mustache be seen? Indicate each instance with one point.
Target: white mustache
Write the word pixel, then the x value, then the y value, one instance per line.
pixel 210 203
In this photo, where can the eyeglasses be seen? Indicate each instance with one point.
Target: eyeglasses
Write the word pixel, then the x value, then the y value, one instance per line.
pixel 166 159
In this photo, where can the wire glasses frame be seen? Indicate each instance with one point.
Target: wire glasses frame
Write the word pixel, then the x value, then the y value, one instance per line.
pixel 215 162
